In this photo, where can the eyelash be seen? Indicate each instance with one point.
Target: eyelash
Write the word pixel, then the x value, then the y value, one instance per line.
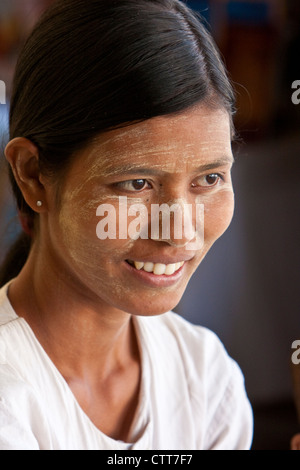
pixel 122 185
pixel 218 176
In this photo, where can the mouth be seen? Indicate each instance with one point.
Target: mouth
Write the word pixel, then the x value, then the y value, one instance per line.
pixel 158 269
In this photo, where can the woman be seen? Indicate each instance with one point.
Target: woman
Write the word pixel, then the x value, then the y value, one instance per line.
pixel 118 107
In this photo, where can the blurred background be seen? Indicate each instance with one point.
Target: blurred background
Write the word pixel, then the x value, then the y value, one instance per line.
pixel 247 289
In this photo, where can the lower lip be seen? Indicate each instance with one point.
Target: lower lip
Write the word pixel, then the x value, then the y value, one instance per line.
pixel 154 280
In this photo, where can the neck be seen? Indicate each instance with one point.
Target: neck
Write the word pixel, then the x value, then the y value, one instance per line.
pixel 78 335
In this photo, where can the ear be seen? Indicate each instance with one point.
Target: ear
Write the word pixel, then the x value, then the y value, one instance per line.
pixel 23 157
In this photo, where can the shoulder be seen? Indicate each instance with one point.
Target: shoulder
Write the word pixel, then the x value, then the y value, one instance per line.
pixel 194 351
pixel 195 344
pixel 14 340
pixel 15 390
pixel 7 314
pixel 8 326
pixel 22 421
pixel 215 383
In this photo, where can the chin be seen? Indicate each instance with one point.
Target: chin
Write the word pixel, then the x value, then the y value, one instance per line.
pixel 154 307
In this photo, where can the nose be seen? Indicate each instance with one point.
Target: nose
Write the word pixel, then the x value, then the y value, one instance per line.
pixel 178 223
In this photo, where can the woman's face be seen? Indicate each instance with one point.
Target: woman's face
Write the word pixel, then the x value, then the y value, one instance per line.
pixel 181 161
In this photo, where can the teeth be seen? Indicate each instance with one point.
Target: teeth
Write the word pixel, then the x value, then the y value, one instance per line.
pixel 148 267
pixel 138 265
pixel 170 269
pixel 178 265
pixel 158 268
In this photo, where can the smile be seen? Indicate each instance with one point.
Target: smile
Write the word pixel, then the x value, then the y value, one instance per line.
pixel 157 268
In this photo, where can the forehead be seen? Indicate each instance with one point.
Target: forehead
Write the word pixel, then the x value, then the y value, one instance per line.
pixel 199 135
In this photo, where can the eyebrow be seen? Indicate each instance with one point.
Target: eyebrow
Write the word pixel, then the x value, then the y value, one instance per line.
pixel 130 169
pixel 216 164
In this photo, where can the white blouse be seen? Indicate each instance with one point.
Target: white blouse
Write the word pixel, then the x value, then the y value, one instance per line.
pixel 192 394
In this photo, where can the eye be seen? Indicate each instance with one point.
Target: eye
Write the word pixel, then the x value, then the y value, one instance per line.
pixel 212 179
pixel 207 180
pixel 133 185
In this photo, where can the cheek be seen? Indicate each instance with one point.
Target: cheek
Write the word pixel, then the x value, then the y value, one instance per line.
pixel 80 230
pixel 218 213
pixel 77 234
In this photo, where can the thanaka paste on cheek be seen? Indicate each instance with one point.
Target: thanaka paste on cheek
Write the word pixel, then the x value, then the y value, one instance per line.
pixel 176 146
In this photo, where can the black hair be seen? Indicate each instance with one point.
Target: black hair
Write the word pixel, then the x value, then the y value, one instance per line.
pixel 88 67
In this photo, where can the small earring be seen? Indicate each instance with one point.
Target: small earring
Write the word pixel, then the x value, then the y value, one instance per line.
pixel 39 203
